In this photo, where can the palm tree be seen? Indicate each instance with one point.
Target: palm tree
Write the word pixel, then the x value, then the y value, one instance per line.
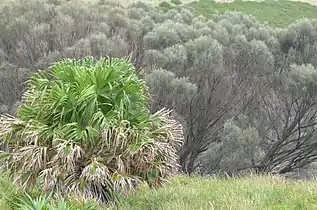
pixel 84 127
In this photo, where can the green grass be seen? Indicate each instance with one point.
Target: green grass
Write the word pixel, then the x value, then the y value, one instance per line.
pixel 9 192
pixel 255 192
pixel 277 13
pixel 187 193
pixel 11 196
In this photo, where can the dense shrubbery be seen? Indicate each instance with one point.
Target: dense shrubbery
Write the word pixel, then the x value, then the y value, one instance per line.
pixel 239 87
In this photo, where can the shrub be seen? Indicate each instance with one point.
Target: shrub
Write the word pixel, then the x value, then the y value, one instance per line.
pixel 176 2
pixel 207 70
pixel 84 127
pixel 165 6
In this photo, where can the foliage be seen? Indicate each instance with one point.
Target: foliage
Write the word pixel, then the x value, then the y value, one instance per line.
pixel 84 127
pixel 295 98
pixel 9 192
pixel 40 203
pixel 45 202
pixel 176 2
pixel 238 148
pixel 165 6
pixel 208 69
pixel 13 197
pixel 252 192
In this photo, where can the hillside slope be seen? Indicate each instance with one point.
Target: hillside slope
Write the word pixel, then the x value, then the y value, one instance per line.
pixel 277 13
pixel 157 2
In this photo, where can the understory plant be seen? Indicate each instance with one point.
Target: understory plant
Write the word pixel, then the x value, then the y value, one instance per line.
pixel 84 128
pixel 46 202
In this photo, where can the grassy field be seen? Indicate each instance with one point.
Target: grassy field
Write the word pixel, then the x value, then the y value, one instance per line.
pixel 255 192
pixel 278 13
pixel 184 193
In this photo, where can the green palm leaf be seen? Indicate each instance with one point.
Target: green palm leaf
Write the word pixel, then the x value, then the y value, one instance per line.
pixel 84 127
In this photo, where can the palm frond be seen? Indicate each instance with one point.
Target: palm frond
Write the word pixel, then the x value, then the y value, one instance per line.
pixel 31 158
pixel 28 203
pixel 84 128
pixel 49 179
pixel 67 155
pixel 96 172
pixel 8 126
pixel 125 183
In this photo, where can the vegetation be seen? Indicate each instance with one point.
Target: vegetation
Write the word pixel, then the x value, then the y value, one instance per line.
pixel 166 6
pixel 176 2
pixel 254 192
pixel 44 202
pixel 84 128
pixel 244 92
pixel 9 192
pixel 220 76
pixel 278 13
pixel 251 192
pixel 13 197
